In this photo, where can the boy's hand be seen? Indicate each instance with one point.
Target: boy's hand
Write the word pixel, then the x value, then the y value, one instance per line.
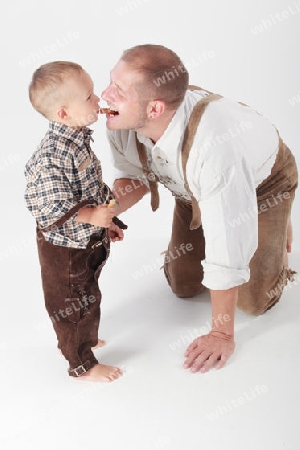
pixel 103 215
pixel 100 216
pixel 115 233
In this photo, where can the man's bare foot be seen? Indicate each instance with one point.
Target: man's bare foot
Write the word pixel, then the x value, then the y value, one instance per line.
pixel 99 344
pixel 101 373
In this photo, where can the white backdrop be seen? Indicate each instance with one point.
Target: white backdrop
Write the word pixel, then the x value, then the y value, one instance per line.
pixel 245 50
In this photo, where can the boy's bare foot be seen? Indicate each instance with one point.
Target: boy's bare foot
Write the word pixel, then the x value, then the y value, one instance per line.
pixel 101 373
pixel 99 344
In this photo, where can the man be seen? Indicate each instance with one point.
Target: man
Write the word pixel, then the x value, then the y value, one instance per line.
pixel 233 180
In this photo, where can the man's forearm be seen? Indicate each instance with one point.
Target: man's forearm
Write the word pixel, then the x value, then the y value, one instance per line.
pixel 128 192
pixel 223 310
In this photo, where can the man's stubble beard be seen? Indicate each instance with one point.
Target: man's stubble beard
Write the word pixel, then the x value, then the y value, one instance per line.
pixel 140 124
pixel 143 117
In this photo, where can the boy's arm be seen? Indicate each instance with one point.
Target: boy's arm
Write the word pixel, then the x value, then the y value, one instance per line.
pixel 51 202
pixel 100 216
pixel 48 196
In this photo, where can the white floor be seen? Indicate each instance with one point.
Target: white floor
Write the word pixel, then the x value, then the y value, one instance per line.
pixel 243 50
pixel 251 403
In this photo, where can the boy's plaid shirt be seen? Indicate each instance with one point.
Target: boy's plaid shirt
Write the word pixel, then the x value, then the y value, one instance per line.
pixel 62 173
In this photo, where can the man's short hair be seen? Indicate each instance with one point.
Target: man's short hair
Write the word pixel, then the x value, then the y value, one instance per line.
pixel 164 75
pixel 46 82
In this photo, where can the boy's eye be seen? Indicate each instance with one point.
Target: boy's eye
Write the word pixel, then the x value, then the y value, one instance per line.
pixel 89 97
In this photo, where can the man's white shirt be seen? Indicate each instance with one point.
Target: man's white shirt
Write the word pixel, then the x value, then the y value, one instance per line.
pixel 233 151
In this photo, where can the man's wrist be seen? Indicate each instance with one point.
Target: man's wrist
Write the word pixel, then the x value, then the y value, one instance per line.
pixel 224 323
pixel 223 310
pixel 222 334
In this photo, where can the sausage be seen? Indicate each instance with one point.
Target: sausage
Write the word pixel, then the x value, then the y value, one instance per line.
pixel 108 111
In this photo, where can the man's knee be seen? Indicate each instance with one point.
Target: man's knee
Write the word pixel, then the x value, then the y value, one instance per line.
pixel 180 286
pixel 187 291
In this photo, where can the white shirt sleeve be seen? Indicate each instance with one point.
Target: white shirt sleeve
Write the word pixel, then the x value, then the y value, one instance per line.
pixel 230 222
pixel 234 150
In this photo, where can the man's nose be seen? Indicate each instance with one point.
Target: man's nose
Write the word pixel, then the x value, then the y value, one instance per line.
pixel 107 94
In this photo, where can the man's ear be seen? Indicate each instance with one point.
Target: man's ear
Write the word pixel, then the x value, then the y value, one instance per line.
pixel 155 109
pixel 62 113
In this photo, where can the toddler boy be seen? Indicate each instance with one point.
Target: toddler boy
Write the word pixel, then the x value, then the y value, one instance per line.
pixel 75 222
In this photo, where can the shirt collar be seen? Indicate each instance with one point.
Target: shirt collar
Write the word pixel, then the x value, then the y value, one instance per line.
pixel 173 135
pixel 79 136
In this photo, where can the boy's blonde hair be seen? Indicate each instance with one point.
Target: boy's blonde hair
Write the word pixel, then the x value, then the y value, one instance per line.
pixel 46 83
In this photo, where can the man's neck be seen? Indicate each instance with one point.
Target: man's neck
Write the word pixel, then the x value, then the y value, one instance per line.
pixel 157 127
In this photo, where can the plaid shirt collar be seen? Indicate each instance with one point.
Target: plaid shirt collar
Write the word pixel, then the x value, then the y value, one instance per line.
pixel 79 136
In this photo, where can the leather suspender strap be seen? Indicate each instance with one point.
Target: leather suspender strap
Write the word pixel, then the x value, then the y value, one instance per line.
pixel 188 140
pixel 192 87
pixel 187 143
pixel 74 210
pixel 150 175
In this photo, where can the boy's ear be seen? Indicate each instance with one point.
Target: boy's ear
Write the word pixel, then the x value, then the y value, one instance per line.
pixel 62 112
